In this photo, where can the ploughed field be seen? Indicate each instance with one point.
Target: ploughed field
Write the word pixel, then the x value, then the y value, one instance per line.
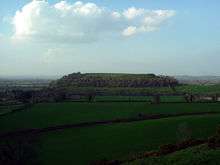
pixel 83 145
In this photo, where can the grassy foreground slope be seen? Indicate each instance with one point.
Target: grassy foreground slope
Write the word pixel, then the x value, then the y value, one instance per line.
pixel 82 145
pixel 50 114
pixel 201 155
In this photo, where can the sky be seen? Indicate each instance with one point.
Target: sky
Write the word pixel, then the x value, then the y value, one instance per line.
pixel 54 37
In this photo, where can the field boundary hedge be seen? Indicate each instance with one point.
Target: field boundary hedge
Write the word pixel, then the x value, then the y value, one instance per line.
pixel 162 151
pixel 213 142
pixel 141 117
pixel 17 109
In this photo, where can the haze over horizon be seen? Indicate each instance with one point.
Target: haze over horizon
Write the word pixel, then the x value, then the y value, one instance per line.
pixel 55 38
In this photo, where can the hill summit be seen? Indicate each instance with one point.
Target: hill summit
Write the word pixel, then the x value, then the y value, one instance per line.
pixel 114 80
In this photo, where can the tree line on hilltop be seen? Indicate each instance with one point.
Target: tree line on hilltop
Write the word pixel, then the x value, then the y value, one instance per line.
pixel 115 80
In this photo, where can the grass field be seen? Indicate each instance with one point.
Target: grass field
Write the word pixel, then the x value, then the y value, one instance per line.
pixel 199 89
pixel 49 114
pixel 194 89
pixel 4 110
pixel 139 98
pixel 113 141
pixel 83 145
pixel 9 108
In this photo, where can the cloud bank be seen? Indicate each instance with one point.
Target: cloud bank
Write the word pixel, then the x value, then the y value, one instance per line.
pixel 83 22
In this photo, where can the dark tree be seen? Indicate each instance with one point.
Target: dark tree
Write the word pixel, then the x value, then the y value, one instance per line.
pixel 214 141
pixel 91 97
pixel 215 98
pixel 156 99
pixel 18 150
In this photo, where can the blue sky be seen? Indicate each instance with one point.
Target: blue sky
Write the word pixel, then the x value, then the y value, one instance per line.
pixel 184 43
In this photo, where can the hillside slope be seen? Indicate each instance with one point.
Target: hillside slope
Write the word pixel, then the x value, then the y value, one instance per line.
pixel 110 80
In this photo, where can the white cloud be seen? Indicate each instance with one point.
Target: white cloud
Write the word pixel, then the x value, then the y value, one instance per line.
pixel 151 20
pixel 116 14
pixel 156 17
pixel 132 13
pixel 82 22
pixel 131 30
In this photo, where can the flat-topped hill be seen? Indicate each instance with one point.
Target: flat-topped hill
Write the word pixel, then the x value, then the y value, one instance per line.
pixel 114 80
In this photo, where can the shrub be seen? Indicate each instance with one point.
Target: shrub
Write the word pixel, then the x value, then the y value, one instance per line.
pixel 167 148
pixel 214 141
pixel 106 162
pixel 189 143
pixel 184 132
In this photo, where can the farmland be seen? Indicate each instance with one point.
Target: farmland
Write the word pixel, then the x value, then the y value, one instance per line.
pixel 48 114
pixel 112 141
pixel 82 146
pixel 94 82
pixel 85 119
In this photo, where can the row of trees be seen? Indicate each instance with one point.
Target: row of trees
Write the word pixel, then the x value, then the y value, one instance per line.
pixel 62 94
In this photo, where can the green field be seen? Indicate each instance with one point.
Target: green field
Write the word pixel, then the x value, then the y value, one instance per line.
pixel 49 114
pixel 126 91
pixel 4 109
pixel 83 145
pixel 199 89
pixel 113 141
pixel 139 98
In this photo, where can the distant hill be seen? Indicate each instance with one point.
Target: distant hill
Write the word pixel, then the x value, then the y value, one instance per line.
pixel 200 80
pixel 109 80
pixel 23 84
